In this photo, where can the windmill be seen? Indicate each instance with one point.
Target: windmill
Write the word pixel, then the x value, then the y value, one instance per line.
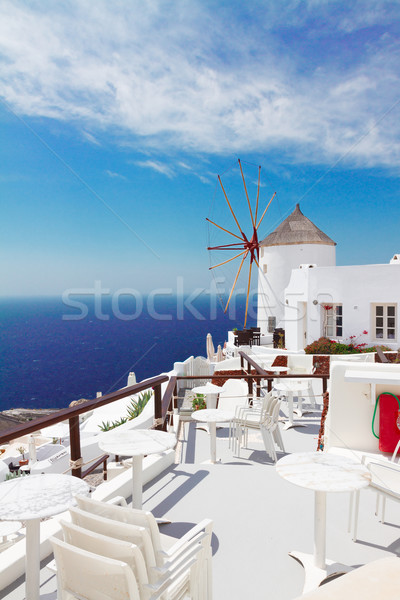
pixel 246 247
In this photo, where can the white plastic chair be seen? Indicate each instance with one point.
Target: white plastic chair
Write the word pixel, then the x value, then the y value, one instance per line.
pixel 89 576
pixel 82 574
pixel 164 547
pixel 385 480
pixel 251 417
pixel 233 396
pixel 269 428
pixel 108 547
pixel 122 531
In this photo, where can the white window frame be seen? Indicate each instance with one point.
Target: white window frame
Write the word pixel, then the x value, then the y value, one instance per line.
pixel 332 318
pixel 385 321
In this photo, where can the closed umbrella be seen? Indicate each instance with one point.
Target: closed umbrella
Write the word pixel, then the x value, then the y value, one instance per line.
pixel 210 347
pixel 220 356
pixel 32 450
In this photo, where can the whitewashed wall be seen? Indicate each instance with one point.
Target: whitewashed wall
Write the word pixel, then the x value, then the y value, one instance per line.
pixel 280 260
pixel 355 287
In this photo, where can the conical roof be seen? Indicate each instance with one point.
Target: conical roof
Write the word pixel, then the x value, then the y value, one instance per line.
pixel 297 229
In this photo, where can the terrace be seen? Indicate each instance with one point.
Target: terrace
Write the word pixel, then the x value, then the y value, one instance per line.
pixel 258 517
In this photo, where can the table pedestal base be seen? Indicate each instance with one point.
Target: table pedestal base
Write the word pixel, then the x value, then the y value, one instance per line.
pixel 137 481
pixel 289 425
pixel 32 559
pixel 314 576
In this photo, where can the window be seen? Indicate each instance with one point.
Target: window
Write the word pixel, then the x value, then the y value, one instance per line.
pixel 333 320
pixel 384 321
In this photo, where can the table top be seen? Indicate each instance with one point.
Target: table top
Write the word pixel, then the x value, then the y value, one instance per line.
pixel 323 472
pixel 137 442
pixel 37 496
pixel 212 415
pixel 209 388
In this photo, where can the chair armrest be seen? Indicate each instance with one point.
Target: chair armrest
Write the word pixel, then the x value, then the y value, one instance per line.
pixel 205 525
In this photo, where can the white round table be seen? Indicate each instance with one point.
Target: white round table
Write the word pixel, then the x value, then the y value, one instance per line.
pixel 137 443
pixel 211 392
pixel 321 472
pixel 31 498
pixel 212 416
pixel 289 386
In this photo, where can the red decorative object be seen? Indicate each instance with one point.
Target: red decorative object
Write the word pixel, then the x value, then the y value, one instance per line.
pixel 327 306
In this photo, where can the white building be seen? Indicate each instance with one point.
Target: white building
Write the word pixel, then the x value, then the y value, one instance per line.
pixel 303 291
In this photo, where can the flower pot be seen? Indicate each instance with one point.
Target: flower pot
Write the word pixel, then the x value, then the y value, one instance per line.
pixel 23 462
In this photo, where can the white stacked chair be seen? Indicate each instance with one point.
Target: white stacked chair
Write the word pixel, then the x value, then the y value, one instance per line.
pixel 270 430
pixel 160 551
pixel 232 398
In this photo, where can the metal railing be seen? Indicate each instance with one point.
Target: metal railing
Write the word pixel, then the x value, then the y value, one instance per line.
pixel 72 414
pixel 163 405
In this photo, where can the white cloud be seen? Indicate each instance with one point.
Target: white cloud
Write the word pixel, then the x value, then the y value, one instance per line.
pixel 114 175
pixel 156 166
pixel 91 138
pixel 162 75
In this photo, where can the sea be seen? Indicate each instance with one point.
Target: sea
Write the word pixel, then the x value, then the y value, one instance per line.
pixel 55 350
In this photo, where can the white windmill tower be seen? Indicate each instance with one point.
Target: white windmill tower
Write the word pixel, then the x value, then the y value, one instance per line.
pixel 296 241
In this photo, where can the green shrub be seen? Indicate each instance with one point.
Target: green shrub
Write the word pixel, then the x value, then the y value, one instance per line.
pixel 325 345
pixel 199 403
pixel 134 410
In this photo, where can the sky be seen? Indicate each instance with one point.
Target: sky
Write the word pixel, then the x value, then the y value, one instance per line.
pixel 117 117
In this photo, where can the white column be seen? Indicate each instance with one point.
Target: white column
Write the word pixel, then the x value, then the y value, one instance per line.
pixel 213 441
pixel 137 481
pixel 32 559
pixel 320 530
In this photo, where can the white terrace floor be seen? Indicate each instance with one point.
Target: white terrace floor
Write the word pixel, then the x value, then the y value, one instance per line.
pixel 258 517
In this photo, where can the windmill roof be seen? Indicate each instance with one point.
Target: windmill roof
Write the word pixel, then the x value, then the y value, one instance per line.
pixel 297 229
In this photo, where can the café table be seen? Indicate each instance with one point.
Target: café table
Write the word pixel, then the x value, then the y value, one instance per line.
pixel 137 443
pixel 212 416
pixel 210 391
pixel 321 472
pixel 288 387
pixel 33 497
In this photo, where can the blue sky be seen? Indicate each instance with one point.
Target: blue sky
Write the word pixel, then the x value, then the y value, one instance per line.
pixel 116 117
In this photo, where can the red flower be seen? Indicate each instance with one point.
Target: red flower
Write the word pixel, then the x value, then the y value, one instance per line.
pixel 365 332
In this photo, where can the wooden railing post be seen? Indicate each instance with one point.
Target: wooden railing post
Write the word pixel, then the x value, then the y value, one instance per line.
pixel 249 379
pixel 75 445
pixel 158 405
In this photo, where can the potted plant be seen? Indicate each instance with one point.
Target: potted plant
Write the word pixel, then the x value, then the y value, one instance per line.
pixel 199 402
pixel 23 461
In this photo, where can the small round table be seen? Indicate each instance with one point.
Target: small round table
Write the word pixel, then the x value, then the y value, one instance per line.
pixel 211 392
pixel 321 472
pixel 137 443
pixel 289 386
pixel 212 416
pixel 30 499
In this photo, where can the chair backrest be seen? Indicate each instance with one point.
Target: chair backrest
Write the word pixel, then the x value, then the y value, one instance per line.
pixel 385 476
pixel 121 531
pixel 87 575
pixel 300 363
pixel 272 414
pixel 109 548
pixel 125 514
pixel 380 356
pixel 233 393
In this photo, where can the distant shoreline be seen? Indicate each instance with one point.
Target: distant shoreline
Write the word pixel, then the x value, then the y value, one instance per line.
pixel 15 416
